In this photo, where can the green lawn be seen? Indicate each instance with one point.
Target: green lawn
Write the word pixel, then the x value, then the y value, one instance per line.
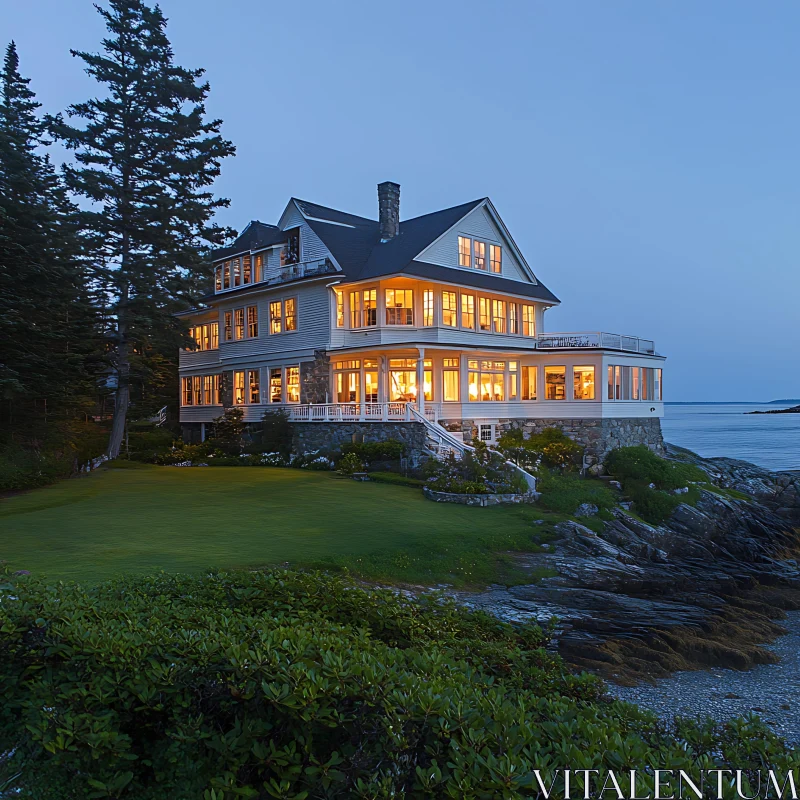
pixel 144 519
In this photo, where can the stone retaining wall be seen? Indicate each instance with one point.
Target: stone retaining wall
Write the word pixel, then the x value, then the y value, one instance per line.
pixel 478 499
pixel 598 436
pixel 317 435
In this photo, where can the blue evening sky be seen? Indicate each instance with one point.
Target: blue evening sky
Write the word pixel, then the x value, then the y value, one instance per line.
pixel 643 154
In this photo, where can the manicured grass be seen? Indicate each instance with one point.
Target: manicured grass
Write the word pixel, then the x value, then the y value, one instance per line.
pixel 142 519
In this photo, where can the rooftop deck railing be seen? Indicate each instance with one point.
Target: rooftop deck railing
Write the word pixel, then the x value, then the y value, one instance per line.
pixel 614 341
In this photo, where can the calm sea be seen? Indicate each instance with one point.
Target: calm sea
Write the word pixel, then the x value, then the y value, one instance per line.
pixel 725 429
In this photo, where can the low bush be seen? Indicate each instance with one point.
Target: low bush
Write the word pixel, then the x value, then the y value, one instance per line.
pixel 479 471
pixel 564 493
pixel 648 479
pixel 552 448
pixel 350 463
pixel 147 443
pixel 290 685
pixel 387 450
pixel 22 469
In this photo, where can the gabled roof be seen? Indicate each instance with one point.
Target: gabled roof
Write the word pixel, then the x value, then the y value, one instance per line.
pixel 356 246
pixel 255 236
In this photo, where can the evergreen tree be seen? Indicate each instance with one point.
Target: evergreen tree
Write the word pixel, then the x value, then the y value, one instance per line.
pixel 145 157
pixel 46 319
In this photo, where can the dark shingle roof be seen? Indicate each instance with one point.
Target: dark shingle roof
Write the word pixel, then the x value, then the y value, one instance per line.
pixel 355 244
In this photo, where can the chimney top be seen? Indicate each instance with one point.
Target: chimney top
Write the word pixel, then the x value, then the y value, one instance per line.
pixel 389 209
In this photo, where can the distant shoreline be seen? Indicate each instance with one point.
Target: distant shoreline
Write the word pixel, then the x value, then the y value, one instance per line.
pixel 731 402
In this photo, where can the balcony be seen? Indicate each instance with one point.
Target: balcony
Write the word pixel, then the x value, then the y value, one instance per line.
pixel 583 339
pixel 288 272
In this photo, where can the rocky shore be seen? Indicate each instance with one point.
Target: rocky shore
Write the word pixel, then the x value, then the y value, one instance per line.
pixel 708 588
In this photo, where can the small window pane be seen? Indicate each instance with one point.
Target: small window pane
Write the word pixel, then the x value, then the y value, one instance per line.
pixel 529 383
pixel 427 308
pixel 238 323
pixel 467 311
pixel 464 251
pixel 238 388
pixel 275 386
pixel 449 309
pixel 583 383
pixel 480 255
pixel 496 258
pixel 253 376
pixel 290 315
pixel 292 384
pixel 555 381
pixel 252 321
pixel 275 317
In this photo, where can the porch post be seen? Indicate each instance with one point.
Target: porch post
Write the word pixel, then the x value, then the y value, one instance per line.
pixel 421 380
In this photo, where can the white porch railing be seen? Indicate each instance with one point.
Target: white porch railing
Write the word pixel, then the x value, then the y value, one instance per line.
pixel 356 412
pixel 615 341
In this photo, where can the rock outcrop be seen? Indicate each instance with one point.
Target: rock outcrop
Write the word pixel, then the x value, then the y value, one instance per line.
pixel 637 600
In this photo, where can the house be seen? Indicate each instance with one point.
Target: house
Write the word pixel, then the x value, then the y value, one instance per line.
pixel 430 329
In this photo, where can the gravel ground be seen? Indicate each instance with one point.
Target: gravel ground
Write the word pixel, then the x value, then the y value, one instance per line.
pixel 772 691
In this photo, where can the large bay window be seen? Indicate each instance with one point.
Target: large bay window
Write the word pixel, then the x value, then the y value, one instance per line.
pixel 449 310
pixel 529 383
pixel 499 316
pixel 583 383
pixel 238 388
pixel 468 311
pixel 293 384
pixel 555 383
pixel 464 251
pixel 201 390
pixel 402 380
pixel 528 320
pixel 486 380
pixel 399 307
pixel 496 258
pixel 634 383
pixel 238 323
pixel 427 308
pixel 484 315
pixel 450 380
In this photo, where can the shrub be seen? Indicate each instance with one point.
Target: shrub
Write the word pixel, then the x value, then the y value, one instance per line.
pixel 387 450
pixel 22 469
pixel 276 432
pixel 350 463
pixel 394 478
pixel 551 447
pixel 228 431
pixel 146 443
pixel 479 471
pixel 647 479
pixel 564 493
pixel 283 684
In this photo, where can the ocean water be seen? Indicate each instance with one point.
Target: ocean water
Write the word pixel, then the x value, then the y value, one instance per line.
pixel 771 441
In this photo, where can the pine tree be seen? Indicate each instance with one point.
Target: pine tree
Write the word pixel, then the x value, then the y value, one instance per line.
pixel 46 319
pixel 146 157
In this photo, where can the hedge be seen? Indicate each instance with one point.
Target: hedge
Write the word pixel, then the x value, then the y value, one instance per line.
pixel 291 685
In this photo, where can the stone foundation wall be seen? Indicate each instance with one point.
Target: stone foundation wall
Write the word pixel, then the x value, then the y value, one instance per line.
pixel 317 435
pixel 598 436
pixel 315 380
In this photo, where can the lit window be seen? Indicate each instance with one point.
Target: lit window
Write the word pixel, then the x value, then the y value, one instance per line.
pixel 464 251
pixel 290 313
pixel 658 392
pixel 403 382
pixel 292 384
pixel 583 383
pixel 496 258
pixel 275 386
pixel 348 381
pixel 649 383
pixel 555 383
pixel 635 383
pixel 237 271
pixel 467 311
pixel 275 318
pixel 499 315
pixel 449 310
pixel 197 390
pixel 247 270
pixel 252 321
pixel 209 395
pixel 513 318
pixel 513 377
pixel 258 271
pixel 228 326
pixel 529 383
pixel 354 364
pixel 355 309
pixel 427 379
pixel 485 318
pixel 339 308
pixel 399 307
pixel 238 323
pixel 489 384
pixel 486 432
pixel 238 388
pixel 480 255
pixel 214 328
pixel 364 308
pixel 427 308
pixel 450 380
pixel 473 384
pixel 218 278
pixel 528 321
pixel 370 380
pixel 253 381
pixel 226 283
pixel 186 391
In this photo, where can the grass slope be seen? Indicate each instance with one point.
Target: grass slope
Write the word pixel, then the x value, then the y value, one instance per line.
pixel 144 519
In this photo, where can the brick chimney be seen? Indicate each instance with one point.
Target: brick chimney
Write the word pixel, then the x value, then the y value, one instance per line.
pixel 389 209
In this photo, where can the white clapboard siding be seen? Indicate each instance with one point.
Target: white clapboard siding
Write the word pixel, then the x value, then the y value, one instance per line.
pixel 477 225
pixel 311 245
pixel 198 359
